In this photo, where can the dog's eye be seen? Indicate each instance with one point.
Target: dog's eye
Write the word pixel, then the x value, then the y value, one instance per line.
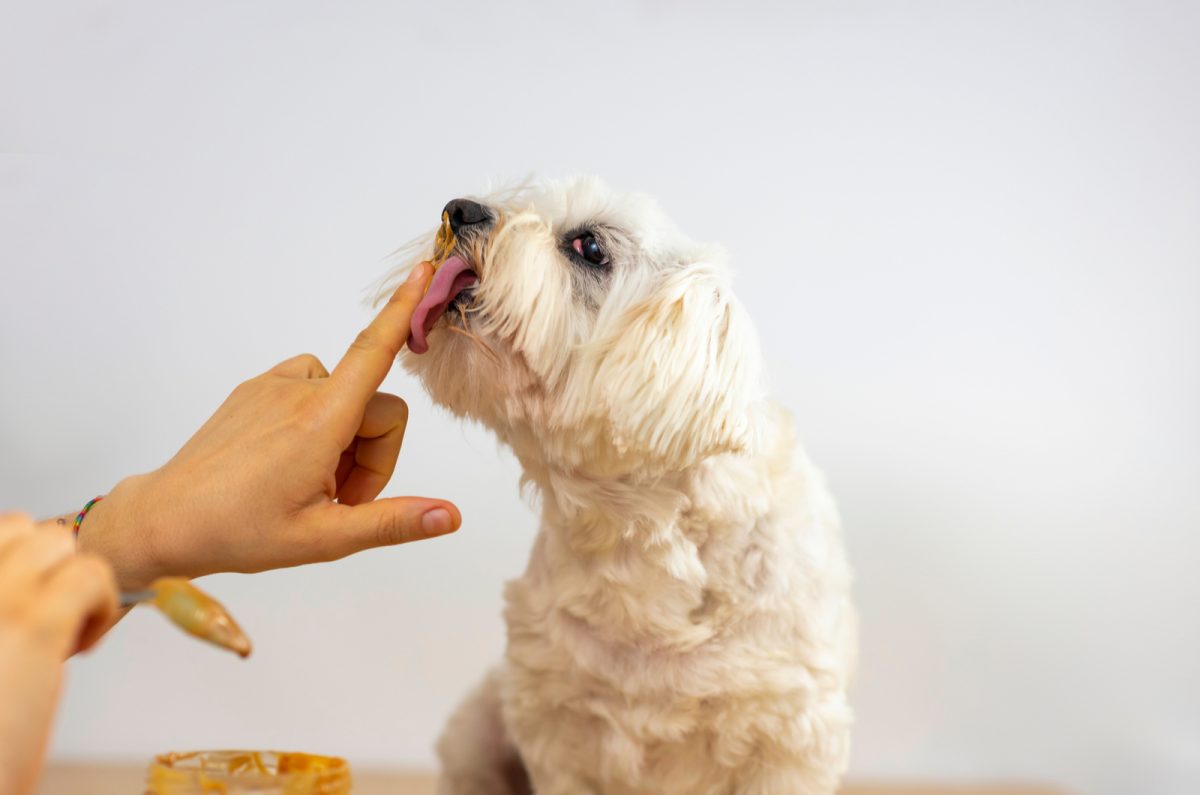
pixel 587 247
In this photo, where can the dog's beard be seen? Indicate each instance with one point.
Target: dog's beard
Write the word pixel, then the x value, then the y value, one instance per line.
pixel 462 325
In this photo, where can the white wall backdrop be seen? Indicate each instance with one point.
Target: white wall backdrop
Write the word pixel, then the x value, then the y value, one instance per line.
pixel 968 230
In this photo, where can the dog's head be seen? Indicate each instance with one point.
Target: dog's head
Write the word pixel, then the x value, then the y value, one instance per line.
pixel 587 331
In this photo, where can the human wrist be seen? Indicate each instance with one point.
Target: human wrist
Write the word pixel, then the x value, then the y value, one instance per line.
pixel 121 528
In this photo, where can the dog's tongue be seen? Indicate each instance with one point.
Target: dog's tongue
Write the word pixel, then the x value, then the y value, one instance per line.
pixel 451 278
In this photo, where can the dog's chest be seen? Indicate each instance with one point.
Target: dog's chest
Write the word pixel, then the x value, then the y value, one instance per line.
pixel 636 736
pixel 711 644
pixel 639 716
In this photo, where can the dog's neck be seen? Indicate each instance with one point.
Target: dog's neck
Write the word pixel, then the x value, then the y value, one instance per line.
pixel 594 516
pixel 650 561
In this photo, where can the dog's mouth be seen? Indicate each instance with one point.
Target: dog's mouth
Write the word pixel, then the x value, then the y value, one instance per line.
pixel 452 277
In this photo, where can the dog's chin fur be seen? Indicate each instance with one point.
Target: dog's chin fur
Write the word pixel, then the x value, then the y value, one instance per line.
pixel 684 626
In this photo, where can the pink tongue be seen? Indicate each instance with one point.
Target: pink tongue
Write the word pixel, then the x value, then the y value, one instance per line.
pixel 451 278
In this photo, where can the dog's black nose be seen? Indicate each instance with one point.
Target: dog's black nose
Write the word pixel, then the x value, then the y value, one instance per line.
pixel 464 212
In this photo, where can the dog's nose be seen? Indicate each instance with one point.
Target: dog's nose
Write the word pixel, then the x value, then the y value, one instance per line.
pixel 464 212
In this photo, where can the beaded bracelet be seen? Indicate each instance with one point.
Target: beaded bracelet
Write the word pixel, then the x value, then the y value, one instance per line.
pixel 83 513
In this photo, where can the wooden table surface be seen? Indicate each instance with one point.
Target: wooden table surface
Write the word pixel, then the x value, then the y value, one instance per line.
pixel 61 779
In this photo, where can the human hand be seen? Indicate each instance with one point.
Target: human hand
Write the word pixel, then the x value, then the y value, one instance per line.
pixel 52 602
pixel 286 472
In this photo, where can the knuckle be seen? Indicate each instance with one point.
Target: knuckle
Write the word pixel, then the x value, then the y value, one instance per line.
pixel 370 341
pixel 310 416
pixel 366 340
pixel 14 524
pixel 395 405
pixel 15 518
pixel 13 527
pixel 392 529
pixel 247 386
pixel 310 362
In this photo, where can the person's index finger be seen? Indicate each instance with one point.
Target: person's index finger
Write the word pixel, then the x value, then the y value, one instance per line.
pixel 370 357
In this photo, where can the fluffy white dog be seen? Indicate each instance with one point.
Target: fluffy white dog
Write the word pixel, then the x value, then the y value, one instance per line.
pixel 684 626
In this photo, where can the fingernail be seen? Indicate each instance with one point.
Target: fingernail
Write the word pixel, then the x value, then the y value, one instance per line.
pixel 417 273
pixel 437 522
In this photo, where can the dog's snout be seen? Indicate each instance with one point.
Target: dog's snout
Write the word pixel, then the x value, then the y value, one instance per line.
pixel 464 212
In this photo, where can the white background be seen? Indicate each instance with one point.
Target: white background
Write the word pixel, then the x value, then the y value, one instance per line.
pixel 968 231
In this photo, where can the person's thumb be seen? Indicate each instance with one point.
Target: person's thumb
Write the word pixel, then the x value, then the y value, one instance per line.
pixel 345 529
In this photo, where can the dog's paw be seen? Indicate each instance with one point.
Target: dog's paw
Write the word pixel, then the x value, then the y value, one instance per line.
pixel 516 783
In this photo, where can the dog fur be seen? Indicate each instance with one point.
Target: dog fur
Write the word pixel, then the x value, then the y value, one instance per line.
pixel 684 626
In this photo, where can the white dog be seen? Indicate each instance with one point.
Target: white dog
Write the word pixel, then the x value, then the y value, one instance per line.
pixel 684 626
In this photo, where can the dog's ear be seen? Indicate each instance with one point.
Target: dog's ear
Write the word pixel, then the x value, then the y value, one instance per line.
pixel 678 371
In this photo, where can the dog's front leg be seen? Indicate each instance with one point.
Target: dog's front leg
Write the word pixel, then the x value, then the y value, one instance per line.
pixel 560 782
pixel 798 780
pixel 477 755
